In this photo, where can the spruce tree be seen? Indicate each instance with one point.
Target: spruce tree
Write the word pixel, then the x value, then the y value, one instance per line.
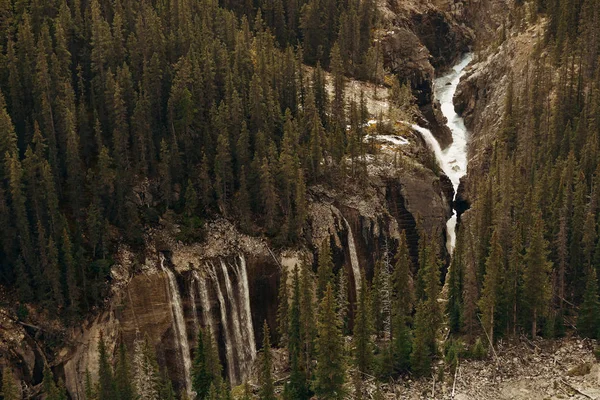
pixel 402 307
pixel 536 278
pixel 265 377
pixel 283 310
pixel 362 339
pixel 324 268
pixel 106 381
pixel 330 373
pixel 123 377
pixel 488 303
pixel 588 320
pixel 146 375
pixel 206 368
pixel 10 386
pixel 297 386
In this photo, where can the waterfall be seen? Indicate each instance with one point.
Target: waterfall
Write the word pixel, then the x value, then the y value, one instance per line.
pixel 205 302
pixel 229 346
pixel 179 327
pixel 452 160
pixel 353 258
pixel 455 156
pixel 234 312
pixel 193 303
pixel 432 143
pixel 246 315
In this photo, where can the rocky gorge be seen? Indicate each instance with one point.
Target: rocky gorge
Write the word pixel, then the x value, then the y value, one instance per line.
pixel 229 281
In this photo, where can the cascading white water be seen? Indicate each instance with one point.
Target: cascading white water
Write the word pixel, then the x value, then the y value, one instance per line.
pixel 353 258
pixel 193 303
pixel 455 155
pixel 179 327
pixel 453 159
pixel 235 315
pixel 205 302
pixel 246 313
pixel 229 345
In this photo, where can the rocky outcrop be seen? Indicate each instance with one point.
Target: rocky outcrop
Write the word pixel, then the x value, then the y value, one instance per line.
pixel 20 353
pixel 481 94
pixel 226 285
pixel 424 40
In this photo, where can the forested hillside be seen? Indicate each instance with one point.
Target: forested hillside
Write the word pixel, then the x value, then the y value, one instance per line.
pixel 115 112
pixel 528 254
pixel 122 117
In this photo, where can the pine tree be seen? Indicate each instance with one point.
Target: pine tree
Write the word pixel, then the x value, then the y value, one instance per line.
pixel 330 373
pixel 297 386
pixel 106 381
pixel 50 388
pixel 427 317
pixel 363 329
pixel 283 310
pixel 536 279
pixel 265 379
pixel 420 357
pixel 324 268
pixel 10 386
pixel 342 300
pixel 123 377
pixel 146 376
pixel 588 321
pixel 206 369
pixel 488 303
pixel 402 307
pixel 455 285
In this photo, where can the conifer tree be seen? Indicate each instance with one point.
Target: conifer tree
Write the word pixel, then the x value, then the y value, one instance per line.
pixel 330 373
pixel 297 386
pixel 106 381
pixel 206 369
pixel 324 268
pixel 283 310
pixel 488 303
pixel 308 324
pixel 588 321
pixel 123 377
pixel 402 307
pixel 342 300
pixel 265 379
pixel 50 388
pixel 363 328
pixel 10 386
pixel 146 376
pixel 536 279
pixel 427 318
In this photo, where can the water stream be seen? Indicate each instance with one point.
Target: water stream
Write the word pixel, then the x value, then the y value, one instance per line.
pixel 453 159
pixel 179 325
pixel 353 259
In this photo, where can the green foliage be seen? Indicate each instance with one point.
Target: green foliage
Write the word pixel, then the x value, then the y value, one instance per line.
pixel 478 350
pixel 123 377
pixel 206 369
pixel 213 119
pixel 330 373
pixel 10 386
pixel 363 329
pixel 106 380
pixel 588 322
pixel 50 388
pixel 265 378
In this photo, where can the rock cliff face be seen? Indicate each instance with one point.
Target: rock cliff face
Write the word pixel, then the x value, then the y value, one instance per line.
pixel 422 40
pixel 228 283
pixel 480 96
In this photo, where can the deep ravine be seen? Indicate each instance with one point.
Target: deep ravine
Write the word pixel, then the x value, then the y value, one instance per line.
pixel 453 159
